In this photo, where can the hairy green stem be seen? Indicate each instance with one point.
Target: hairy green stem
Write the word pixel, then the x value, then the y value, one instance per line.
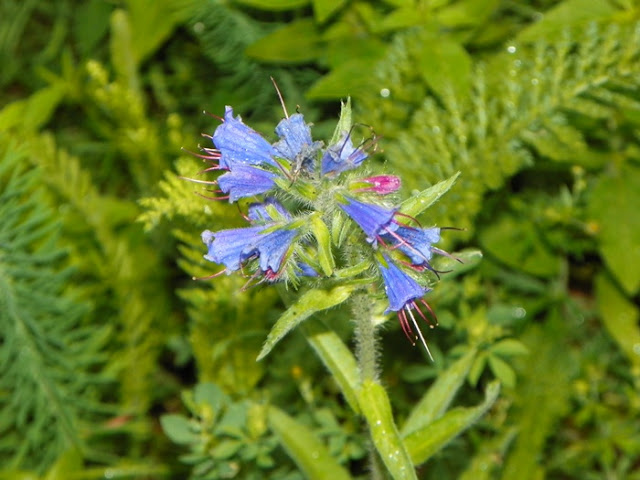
pixel 365 336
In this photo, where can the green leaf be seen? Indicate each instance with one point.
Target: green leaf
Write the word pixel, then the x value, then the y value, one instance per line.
pixel 178 429
pixel 469 259
pixel 509 347
pixel 566 16
pixel 375 406
pixel 336 357
pixel 304 448
pixel 445 66
pixel 349 78
pixel 467 13
pixel 620 317
pixel 323 9
pixel 296 42
pixel 311 302
pixel 417 204
pixel 344 124
pixel 274 5
pixel 323 238
pixel 613 204
pixel 210 395
pixel 438 398
pixel 502 370
pixel 422 444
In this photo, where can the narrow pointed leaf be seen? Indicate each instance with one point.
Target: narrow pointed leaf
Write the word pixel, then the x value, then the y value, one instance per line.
pixel 304 448
pixel 336 357
pixel 417 204
pixel 374 404
pixel 323 237
pixel 422 444
pixel 438 398
pixel 311 302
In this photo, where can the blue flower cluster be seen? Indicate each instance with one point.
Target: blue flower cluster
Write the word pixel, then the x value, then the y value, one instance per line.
pixel 314 182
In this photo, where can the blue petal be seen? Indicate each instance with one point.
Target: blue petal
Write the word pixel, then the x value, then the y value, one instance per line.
pixel 342 156
pixel 400 288
pixel 417 242
pixel 273 247
pixel 258 212
pixel 246 181
pixel 231 247
pixel 239 143
pixel 294 134
pixel 371 218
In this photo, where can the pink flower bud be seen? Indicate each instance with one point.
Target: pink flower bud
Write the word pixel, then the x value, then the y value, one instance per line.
pixel 382 184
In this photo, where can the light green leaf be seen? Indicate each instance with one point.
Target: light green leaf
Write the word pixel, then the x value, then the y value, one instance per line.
pixel 296 42
pixel 375 406
pixel 566 16
pixel 123 55
pixel 304 448
pixel 311 302
pixel 502 370
pixel 469 259
pixel 344 123
pixel 613 204
pixel 438 398
pixel 509 347
pixel 323 9
pixel 274 5
pixel 349 78
pixel 620 317
pixel 178 429
pixel 467 13
pixel 336 357
pixel 445 66
pixel 323 238
pixel 415 205
pixel 422 444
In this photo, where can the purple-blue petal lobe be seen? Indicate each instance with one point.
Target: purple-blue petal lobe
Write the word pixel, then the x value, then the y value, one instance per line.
pixel 240 144
pixel 231 247
pixel 272 248
pixel 342 156
pixel 294 134
pixel 246 181
pixel 416 242
pixel 372 219
pixel 400 288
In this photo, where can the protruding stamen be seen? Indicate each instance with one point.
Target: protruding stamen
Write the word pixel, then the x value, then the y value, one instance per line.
pixel 415 324
pixel 284 108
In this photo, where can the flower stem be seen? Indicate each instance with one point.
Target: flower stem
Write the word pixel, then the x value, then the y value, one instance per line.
pixel 365 336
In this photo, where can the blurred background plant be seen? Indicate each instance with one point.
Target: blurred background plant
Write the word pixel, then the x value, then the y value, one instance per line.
pixel 114 363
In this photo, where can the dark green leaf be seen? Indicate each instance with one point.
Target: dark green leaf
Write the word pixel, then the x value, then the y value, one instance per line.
pixel 417 204
pixel 297 42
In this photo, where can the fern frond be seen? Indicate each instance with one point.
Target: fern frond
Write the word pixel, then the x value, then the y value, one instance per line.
pixel 48 359
pixel 518 111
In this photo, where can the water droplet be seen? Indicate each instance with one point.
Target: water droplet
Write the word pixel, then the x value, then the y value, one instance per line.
pixel 198 27
pixel 385 92
pixel 519 312
pixel 109 473
pixel 378 423
pixel 517 63
pixel 636 348
pixel 315 455
pixel 511 49
pixel 535 81
pixel 435 129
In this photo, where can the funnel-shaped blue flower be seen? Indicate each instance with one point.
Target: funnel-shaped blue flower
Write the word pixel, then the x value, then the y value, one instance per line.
pixel 401 289
pixel 239 143
pixel 272 248
pixel 416 243
pixel 372 219
pixel 246 181
pixel 342 156
pixel 231 247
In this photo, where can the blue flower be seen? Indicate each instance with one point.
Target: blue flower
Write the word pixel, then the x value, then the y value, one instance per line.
pixel 296 144
pixel 342 156
pixel 246 181
pixel 239 143
pixel 372 219
pixel 403 292
pixel 272 248
pixel 230 247
pixel 416 243
pixel 401 289
pixel 269 242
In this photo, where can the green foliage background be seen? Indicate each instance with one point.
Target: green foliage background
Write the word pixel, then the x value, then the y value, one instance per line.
pixel 102 330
